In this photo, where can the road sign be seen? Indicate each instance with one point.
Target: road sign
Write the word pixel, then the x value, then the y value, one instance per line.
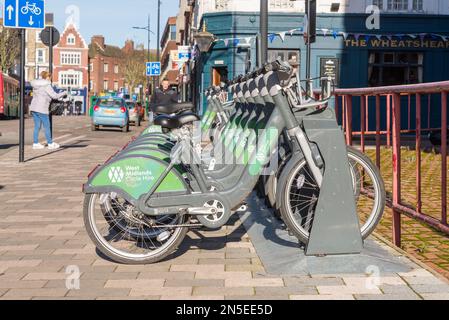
pixel 184 53
pixel 29 14
pixel 153 69
pixel 45 36
pixel 183 56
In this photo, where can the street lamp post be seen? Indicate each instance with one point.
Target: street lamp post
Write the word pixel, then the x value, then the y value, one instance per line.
pixel 263 31
pixel 148 29
pixel 158 33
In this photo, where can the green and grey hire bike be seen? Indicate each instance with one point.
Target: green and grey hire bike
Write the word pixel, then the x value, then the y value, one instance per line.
pixel 140 204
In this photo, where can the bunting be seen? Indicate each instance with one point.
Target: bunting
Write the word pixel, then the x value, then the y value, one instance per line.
pixel 335 34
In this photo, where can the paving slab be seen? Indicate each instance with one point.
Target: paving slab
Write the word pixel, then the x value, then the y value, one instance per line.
pixel 43 239
pixel 282 254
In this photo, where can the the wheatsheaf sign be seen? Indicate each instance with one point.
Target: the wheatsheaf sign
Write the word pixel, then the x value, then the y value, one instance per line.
pixel 417 43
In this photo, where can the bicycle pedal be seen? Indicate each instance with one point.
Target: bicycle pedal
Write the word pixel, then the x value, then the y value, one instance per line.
pixel 242 208
pixel 212 165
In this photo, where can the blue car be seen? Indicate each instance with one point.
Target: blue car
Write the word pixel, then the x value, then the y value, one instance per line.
pixel 110 112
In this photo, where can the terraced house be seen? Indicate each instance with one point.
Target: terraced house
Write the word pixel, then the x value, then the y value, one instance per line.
pixel 169 57
pixel 36 55
pixel 106 65
pixel 70 66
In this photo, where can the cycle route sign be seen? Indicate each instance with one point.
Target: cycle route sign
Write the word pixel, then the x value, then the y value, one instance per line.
pixel 153 69
pixel 28 14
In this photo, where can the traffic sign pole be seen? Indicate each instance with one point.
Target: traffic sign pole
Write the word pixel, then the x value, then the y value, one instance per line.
pixel 50 68
pixel 23 14
pixel 22 98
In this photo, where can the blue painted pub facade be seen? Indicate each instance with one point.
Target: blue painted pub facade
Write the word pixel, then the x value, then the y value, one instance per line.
pixel 409 48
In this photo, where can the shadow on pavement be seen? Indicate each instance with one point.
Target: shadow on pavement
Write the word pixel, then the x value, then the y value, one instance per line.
pixel 206 239
pixel 7 146
pixel 201 239
pixel 287 258
pixel 117 130
pixel 75 145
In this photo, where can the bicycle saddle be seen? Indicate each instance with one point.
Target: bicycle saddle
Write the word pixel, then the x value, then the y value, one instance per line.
pixel 173 108
pixel 175 122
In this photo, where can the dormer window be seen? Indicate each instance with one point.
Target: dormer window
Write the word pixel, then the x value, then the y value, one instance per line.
pixel 71 39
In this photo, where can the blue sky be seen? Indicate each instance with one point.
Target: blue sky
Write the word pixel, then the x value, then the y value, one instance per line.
pixel 114 18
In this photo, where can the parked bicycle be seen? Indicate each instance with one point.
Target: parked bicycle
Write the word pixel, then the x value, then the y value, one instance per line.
pixel 140 204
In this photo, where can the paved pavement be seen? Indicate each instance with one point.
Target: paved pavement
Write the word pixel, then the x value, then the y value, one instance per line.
pixel 46 254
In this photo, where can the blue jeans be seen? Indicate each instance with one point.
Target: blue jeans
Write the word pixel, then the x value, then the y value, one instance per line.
pixel 40 120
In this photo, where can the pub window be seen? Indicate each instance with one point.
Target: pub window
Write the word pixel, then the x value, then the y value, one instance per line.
pixel 418 5
pixel 284 55
pixel 398 5
pixel 379 3
pixel 395 68
pixel 281 4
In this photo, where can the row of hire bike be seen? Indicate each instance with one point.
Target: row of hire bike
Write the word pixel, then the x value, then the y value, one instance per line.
pixel 187 172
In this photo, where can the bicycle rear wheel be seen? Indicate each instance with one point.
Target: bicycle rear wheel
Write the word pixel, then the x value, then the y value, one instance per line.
pixel 125 235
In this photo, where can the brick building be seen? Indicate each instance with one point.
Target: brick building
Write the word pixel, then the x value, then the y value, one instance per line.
pixel 106 65
pixel 36 55
pixel 70 65
pixel 169 57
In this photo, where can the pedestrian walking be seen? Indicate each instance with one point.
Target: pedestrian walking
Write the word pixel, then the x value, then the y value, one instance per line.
pixel 165 95
pixel 43 94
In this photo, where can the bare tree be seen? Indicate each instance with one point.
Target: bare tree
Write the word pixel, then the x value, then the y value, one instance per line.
pixel 135 69
pixel 9 48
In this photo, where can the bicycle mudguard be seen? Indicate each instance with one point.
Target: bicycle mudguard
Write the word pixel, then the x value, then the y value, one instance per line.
pixel 160 144
pixel 159 154
pixel 133 176
pixel 152 129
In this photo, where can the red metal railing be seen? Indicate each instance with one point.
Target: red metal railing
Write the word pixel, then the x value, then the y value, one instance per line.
pixel 401 125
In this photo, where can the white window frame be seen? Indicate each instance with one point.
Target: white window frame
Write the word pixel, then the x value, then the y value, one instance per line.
pixel 70 58
pixel 116 87
pixel 105 85
pixel 392 5
pixel 281 4
pixel 71 37
pixel 379 3
pixel 418 5
pixel 70 78
pixel 44 60
pixel 106 67
pixel 116 69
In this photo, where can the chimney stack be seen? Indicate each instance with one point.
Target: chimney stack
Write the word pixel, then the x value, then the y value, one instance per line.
pixel 98 40
pixel 129 46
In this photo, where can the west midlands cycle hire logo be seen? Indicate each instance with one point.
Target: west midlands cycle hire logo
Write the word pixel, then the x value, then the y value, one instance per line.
pixel 116 174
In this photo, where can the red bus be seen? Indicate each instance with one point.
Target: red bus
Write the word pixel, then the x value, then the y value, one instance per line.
pixel 9 96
